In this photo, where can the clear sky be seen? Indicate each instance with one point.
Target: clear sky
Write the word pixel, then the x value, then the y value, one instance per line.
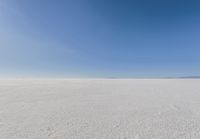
pixel 99 38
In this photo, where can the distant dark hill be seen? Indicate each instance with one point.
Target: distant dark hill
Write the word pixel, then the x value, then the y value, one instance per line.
pixel 190 77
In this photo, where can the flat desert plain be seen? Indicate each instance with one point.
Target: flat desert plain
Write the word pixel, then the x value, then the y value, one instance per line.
pixel 100 109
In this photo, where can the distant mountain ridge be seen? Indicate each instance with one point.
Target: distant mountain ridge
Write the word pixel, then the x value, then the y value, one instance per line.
pixel 175 77
pixel 190 77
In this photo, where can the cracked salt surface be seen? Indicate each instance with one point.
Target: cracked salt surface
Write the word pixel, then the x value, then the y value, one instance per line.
pixel 100 109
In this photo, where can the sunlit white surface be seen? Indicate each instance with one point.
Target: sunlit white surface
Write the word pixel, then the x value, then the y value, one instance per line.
pixel 100 109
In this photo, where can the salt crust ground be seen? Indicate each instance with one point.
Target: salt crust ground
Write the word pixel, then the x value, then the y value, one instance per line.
pixel 100 109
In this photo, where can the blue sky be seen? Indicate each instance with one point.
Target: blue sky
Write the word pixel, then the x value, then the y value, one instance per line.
pixel 99 38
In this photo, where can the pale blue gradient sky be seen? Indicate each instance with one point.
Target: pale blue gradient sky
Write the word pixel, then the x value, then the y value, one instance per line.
pixel 99 38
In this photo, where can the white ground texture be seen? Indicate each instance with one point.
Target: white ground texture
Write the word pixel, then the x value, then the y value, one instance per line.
pixel 100 109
